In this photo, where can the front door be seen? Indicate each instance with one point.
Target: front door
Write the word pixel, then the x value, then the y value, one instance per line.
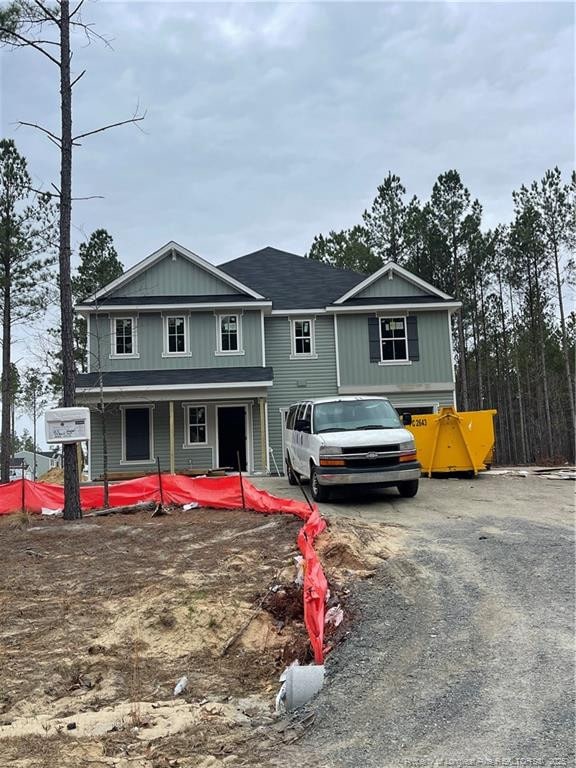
pixel 232 436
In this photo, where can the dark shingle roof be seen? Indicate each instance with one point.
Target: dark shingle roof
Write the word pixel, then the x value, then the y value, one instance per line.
pixel 169 378
pixel 113 301
pixel 291 281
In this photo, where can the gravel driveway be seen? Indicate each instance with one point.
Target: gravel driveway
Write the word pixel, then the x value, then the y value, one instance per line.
pixel 463 653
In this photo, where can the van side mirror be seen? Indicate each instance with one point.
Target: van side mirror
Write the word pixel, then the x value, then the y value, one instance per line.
pixel 302 426
pixel 407 419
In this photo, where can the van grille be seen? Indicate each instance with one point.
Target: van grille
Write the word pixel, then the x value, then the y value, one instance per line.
pixel 375 463
pixel 372 449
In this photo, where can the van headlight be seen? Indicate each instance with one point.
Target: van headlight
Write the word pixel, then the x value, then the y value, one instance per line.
pixel 409 445
pixel 330 449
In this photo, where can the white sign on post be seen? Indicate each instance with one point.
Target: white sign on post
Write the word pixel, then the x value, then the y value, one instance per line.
pixel 67 425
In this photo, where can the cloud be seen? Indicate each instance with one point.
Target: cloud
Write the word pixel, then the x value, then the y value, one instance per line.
pixel 268 123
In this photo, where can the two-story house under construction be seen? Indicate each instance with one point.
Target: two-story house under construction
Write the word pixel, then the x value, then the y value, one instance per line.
pixel 198 364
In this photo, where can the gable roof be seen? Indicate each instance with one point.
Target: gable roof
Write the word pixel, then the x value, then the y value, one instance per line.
pixel 391 266
pixel 146 263
pixel 291 281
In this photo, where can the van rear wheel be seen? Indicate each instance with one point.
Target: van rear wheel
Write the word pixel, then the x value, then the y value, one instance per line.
pixel 408 488
pixel 290 474
pixel 319 492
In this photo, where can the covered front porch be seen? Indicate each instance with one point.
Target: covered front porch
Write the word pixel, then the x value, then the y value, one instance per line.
pixel 194 427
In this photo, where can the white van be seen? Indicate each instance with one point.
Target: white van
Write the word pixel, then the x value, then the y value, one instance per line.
pixel 350 440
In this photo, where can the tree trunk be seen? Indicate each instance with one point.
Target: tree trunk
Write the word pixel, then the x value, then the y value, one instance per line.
pixel 34 437
pixel 6 442
pixel 523 439
pixel 72 509
pixel 565 352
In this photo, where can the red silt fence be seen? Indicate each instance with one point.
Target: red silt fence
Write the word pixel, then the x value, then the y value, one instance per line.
pixel 212 492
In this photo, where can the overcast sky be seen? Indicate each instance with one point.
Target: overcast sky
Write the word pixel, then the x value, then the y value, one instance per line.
pixel 268 123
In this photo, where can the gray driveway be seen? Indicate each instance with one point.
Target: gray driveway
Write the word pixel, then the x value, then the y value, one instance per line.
pixel 463 650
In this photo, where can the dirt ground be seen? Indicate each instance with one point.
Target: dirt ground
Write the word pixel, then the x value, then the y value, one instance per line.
pixel 102 617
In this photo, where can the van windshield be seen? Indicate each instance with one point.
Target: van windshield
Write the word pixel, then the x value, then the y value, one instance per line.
pixel 348 415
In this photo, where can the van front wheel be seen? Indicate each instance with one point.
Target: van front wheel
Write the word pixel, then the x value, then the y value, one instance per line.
pixel 319 492
pixel 408 488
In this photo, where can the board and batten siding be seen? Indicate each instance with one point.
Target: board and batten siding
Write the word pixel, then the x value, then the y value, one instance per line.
pixel 297 379
pixel 434 365
pixel 197 457
pixel 385 287
pixel 203 329
pixel 174 277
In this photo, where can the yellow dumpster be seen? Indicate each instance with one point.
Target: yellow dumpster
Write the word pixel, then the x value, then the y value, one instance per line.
pixel 449 441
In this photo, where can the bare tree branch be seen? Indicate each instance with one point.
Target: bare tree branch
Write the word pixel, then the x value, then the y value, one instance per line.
pixel 40 128
pixel 47 12
pixel 10 33
pixel 38 42
pixel 107 127
pixel 75 11
pixel 73 83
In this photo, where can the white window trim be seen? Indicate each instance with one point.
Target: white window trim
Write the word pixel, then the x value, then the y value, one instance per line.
pixel 187 444
pixel 187 351
pixel 118 356
pixel 123 409
pixel 395 316
pixel 227 353
pixel 303 355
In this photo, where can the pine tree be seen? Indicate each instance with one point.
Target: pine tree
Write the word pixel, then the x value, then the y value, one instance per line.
pixel 26 277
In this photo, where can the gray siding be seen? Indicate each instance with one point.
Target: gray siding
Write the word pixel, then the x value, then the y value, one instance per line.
pixel 150 330
pixel 397 286
pixel 434 365
pixel 297 379
pixel 200 457
pixel 174 278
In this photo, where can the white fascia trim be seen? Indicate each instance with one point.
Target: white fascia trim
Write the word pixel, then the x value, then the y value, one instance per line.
pixel 391 266
pixel 301 312
pixel 263 332
pixel 109 308
pixel 387 308
pixel 163 387
pixel 337 350
pixel 164 251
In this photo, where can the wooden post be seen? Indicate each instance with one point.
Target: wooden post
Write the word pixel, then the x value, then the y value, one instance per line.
pixel 241 481
pixel 263 436
pixel 79 459
pixel 160 488
pixel 172 460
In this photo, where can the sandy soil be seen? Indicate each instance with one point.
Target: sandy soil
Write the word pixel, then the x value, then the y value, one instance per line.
pixel 100 619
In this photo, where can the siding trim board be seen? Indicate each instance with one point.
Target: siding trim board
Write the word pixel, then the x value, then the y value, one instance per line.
pixel 84 309
pixel 375 307
pixel 373 389
pixel 171 387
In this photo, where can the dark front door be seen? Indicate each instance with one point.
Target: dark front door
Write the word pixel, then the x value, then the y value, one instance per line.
pixel 137 434
pixel 232 437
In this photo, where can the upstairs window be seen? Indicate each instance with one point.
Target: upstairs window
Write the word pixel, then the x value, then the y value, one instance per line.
pixel 303 338
pixel 229 335
pixel 124 336
pixel 393 339
pixel 175 335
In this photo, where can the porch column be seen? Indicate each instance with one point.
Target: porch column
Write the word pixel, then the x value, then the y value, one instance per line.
pixel 263 435
pixel 171 437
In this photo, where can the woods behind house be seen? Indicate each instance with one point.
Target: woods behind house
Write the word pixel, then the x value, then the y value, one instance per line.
pixel 514 339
